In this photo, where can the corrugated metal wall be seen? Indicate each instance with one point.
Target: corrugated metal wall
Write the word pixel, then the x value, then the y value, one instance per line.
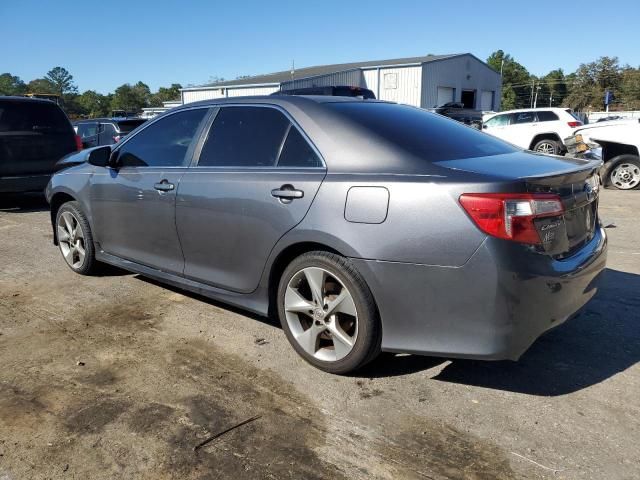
pixel 401 84
pixel 246 92
pixel 352 78
pixel 371 80
pixel 208 94
pixel 461 73
pixel 189 96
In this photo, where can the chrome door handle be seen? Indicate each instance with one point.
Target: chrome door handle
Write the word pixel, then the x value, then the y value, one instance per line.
pixel 287 193
pixel 164 186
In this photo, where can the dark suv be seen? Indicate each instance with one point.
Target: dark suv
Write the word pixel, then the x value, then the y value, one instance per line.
pixel 105 131
pixel 34 135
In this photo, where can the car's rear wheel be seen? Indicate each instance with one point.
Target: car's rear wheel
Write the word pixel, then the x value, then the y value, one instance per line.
pixel 75 239
pixel 328 312
pixel 547 146
pixel 623 172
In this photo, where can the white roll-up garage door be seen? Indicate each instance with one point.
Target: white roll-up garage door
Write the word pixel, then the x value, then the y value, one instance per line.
pixel 445 95
pixel 486 100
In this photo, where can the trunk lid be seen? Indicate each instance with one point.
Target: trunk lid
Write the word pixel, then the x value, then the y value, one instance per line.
pixel 574 180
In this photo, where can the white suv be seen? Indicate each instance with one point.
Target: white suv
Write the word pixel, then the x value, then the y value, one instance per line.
pixel 537 129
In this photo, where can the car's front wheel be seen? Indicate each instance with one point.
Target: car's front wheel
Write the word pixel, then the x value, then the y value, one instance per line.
pixel 328 312
pixel 74 239
pixel 623 172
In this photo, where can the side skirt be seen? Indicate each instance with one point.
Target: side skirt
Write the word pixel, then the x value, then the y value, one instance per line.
pixel 255 302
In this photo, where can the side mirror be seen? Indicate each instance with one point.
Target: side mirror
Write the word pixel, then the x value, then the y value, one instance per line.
pixel 100 157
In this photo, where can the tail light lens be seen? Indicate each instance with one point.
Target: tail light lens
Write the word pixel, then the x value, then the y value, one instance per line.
pixel 78 143
pixel 116 139
pixel 511 215
pixel 574 124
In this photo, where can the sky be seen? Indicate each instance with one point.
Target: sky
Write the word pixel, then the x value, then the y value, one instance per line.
pixel 105 44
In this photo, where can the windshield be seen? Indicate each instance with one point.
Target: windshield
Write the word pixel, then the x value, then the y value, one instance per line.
pixel 421 133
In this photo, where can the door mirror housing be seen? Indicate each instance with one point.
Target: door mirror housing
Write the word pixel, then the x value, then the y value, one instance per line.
pixel 100 157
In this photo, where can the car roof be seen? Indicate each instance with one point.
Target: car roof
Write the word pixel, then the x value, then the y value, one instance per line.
pixel 537 109
pixel 26 99
pixel 108 119
pixel 282 100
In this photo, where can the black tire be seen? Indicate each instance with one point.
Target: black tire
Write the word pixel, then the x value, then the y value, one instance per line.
pixel 369 334
pixel 548 146
pixel 89 265
pixel 609 169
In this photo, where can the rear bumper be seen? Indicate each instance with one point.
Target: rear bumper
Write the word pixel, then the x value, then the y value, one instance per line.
pixel 27 183
pixel 493 307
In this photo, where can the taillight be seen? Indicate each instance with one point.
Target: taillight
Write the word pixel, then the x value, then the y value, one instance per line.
pixel 574 124
pixel 116 139
pixel 511 215
pixel 78 143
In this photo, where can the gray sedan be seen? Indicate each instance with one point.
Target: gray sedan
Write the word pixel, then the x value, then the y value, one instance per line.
pixel 363 225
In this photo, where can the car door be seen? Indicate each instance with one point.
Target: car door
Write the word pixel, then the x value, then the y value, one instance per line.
pixel 254 180
pixel 497 125
pixel 107 133
pixel 133 205
pixel 522 129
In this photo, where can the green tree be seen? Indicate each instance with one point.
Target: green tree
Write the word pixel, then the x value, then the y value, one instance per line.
pixel 165 94
pixel 41 85
pixel 11 85
pixel 589 82
pixel 61 80
pixel 630 88
pixel 516 80
pixel 553 89
pixel 94 104
pixel 131 98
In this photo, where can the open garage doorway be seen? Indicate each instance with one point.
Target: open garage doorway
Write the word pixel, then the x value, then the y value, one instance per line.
pixel 468 98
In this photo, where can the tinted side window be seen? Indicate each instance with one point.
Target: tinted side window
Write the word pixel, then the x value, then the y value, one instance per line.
pixel 244 137
pixel 163 144
pixel 523 117
pixel 27 116
pixel 297 152
pixel 547 116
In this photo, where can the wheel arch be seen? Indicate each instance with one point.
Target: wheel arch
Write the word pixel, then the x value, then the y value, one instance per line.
pixel 284 258
pixel 545 136
pixel 57 200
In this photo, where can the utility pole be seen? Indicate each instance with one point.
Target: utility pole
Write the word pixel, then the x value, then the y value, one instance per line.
pixel 551 100
pixel 533 84
pixel 535 101
pixel 293 68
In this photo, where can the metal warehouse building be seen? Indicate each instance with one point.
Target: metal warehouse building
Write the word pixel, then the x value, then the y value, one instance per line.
pixel 427 82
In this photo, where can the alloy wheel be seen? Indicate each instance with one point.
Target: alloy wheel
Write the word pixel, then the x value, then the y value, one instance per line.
pixel 321 314
pixel 546 148
pixel 625 176
pixel 71 240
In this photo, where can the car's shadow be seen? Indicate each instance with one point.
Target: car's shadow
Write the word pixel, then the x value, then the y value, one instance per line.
pixel 23 203
pixel 603 341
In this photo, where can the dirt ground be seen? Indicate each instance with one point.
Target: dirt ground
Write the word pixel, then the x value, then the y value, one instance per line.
pixel 118 377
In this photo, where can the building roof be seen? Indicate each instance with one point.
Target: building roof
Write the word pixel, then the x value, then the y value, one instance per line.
pixel 279 77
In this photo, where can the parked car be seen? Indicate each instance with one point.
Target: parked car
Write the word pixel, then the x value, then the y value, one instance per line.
pixel 363 225
pixel 105 131
pixel 332 91
pixel 457 111
pixel 541 130
pixel 34 135
pixel 617 143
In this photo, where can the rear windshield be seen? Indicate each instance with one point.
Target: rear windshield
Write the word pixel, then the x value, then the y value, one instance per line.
pixel 573 114
pixel 426 135
pixel 39 117
pixel 125 126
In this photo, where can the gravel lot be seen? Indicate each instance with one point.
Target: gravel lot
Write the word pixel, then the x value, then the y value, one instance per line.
pixel 118 377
